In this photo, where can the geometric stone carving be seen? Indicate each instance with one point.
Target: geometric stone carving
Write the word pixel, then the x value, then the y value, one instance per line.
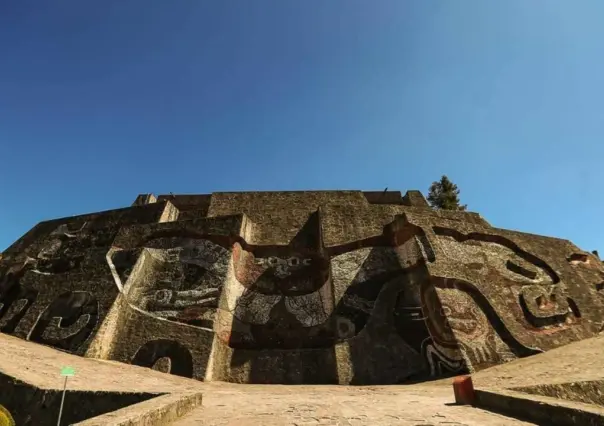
pixel 67 322
pixel 15 300
pixel 547 305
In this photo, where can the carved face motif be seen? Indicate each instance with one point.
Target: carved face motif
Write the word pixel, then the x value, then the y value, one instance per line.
pixel 276 274
pixel 479 343
pixel 435 314
pixel 464 317
pixel 277 298
pixel 293 281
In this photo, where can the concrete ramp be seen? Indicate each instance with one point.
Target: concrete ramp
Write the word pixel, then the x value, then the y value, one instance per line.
pixel 561 387
pixel 101 392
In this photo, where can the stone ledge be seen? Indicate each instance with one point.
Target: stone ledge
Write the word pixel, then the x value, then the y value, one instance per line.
pixel 584 391
pixel 154 412
pixel 538 409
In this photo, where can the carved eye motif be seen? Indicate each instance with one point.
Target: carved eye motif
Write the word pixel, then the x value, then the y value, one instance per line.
pixel 521 270
pixel 163 296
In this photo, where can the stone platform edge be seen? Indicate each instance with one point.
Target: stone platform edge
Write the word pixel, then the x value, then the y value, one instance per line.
pixel 541 410
pixel 157 411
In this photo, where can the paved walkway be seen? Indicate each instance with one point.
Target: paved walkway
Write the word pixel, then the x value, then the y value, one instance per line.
pixel 256 405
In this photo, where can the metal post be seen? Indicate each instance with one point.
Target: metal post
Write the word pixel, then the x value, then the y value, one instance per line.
pixel 62 401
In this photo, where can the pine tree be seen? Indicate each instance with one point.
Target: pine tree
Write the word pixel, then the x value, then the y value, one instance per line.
pixel 444 195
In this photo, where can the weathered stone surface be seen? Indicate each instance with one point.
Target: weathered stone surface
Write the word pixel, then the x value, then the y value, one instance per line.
pixel 29 405
pixel 588 392
pixel 539 409
pixel 31 389
pixel 340 287
pixel 262 405
pixel 159 411
pixel 562 386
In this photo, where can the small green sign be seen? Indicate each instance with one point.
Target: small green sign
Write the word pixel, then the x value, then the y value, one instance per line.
pixel 67 371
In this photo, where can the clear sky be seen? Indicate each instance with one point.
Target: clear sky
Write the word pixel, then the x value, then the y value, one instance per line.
pixel 103 100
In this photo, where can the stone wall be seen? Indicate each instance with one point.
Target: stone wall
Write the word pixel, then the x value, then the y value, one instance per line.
pixel 343 287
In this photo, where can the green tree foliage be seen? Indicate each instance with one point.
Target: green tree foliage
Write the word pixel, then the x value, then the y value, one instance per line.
pixel 444 195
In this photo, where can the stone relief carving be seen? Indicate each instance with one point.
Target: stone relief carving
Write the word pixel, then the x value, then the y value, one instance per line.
pixel 406 288
pixel 67 322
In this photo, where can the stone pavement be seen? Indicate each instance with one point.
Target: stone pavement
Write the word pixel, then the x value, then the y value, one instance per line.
pixel 258 405
pixel 264 405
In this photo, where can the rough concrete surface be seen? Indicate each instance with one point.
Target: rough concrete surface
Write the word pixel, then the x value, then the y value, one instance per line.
pixel 242 404
pixel 158 411
pixel 31 388
pixel 542 410
pixel 560 387
pixel 266 405
pixel 578 361
pixel 588 392
pixel 40 365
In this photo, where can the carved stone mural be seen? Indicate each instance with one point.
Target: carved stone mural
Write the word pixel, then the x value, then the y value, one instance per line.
pixel 297 287
pixel 67 321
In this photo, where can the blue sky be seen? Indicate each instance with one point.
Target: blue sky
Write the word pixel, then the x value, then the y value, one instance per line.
pixel 103 100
